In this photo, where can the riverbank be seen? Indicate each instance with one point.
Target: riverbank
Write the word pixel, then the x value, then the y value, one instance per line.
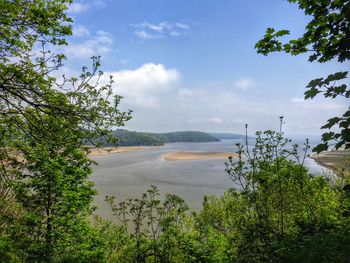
pixel 333 159
pixel 112 150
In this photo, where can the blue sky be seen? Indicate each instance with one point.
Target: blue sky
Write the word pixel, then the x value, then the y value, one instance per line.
pixel 191 64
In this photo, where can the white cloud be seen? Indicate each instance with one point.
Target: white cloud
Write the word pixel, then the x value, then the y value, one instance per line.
pixel 182 26
pixel 84 5
pixel 80 31
pixel 104 37
pixel 77 8
pixel 164 29
pixel 207 108
pixel 143 86
pixel 157 28
pixel 244 83
pixel 184 93
pixel 100 3
pixel 175 33
pixel 144 35
pixel 219 109
pixel 315 104
pixel 297 100
pixel 99 44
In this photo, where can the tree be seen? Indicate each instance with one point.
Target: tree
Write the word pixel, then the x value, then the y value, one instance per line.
pixel 279 212
pixel 326 37
pixel 158 227
pixel 45 192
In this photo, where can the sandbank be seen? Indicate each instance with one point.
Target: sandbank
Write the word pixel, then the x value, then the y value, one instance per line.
pixel 187 156
pixel 106 150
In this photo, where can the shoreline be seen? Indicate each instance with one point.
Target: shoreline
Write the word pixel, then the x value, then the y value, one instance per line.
pixel 196 156
pixel 332 159
pixel 323 164
pixel 113 150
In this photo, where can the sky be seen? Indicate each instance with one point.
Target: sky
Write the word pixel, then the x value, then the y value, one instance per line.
pixel 191 64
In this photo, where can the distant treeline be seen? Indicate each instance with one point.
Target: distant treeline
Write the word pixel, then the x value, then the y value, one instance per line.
pixel 132 138
pixel 227 136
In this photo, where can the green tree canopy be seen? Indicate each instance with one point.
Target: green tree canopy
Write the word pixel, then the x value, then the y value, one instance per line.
pixel 326 37
pixel 45 192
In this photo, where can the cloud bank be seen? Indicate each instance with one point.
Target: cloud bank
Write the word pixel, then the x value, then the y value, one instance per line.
pixel 224 109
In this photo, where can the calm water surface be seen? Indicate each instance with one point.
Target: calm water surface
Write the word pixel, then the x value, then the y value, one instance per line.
pixel 129 174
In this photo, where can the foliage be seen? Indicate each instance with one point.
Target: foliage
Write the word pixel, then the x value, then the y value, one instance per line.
pixel 45 192
pixel 279 213
pixel 285 205
pixel 188 136
pixel 227 136
pixel 132 138
pixel 326 37
pixel 157 227
pixel 276 212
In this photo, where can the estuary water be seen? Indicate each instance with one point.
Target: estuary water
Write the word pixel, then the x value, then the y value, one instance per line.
pixel 130 174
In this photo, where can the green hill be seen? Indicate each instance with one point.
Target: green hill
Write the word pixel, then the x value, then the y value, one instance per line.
pixel 227 136
pixel 132 138
pixel 188 136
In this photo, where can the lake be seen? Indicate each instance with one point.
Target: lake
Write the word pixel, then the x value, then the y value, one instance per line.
pixel 129 174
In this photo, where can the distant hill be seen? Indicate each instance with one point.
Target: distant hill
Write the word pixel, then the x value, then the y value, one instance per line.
pixel 227 136
pixel 132 138
pixel 188 136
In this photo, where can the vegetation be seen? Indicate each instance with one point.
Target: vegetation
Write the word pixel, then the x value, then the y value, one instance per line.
pixel 326 37
pixel 132 138
pixel 279 212
pixel 45 193
pixel 227 136
pixel 188 136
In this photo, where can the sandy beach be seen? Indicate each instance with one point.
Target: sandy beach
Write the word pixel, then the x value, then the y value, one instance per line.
pixel 107 151
pixel 183 156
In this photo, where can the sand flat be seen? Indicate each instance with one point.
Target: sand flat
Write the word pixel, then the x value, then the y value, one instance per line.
pixel 123 149
pixel 183 156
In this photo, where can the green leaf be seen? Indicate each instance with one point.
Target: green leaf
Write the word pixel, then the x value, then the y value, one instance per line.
pixel 320 148
pixel 331 122
pixel 311 93
pixel 336 76
pixel 327 136
pixel 315 82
